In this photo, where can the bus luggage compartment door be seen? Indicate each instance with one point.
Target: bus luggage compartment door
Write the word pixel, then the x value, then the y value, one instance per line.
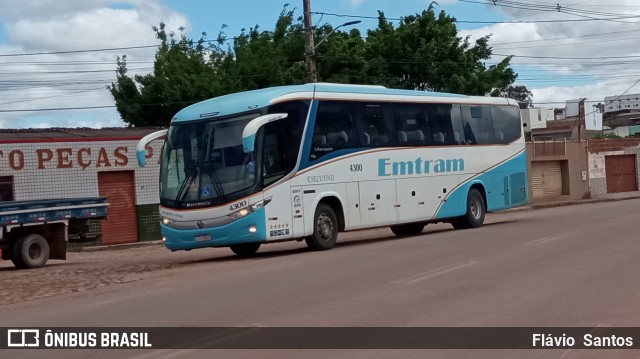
pixel 377 203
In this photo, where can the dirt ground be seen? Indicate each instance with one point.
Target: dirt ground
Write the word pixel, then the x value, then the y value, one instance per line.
pixel 83 271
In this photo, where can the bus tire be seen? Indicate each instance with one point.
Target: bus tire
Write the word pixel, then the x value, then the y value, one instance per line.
pixel 474 216
pixel 245 249
pixel 325 229
pixel 30 251
pixel 405 230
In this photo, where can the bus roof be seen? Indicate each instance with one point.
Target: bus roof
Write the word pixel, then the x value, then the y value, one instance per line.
pixel 246 101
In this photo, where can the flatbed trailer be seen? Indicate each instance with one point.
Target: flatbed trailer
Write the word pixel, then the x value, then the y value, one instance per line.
pixel 35 231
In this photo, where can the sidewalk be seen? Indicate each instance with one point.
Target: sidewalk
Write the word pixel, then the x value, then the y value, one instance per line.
pixel 568 202
pixel 115 247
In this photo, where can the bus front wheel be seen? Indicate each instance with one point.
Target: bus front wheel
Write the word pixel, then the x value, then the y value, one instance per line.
pixel 474 217
pixel 245 249
pixel 325 229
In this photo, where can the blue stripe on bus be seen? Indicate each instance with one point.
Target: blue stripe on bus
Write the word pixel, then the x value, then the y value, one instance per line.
pixel 493 182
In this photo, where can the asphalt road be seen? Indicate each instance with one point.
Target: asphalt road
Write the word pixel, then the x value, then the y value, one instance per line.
pixel 571 266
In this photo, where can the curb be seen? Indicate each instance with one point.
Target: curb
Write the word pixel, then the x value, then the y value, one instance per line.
pixel 535 206
pixel 115 247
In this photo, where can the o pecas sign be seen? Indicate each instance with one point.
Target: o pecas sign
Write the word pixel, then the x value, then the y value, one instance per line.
pixel 67 158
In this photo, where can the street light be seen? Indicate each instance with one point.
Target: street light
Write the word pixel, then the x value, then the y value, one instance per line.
pixel 336 28
pixel 310 47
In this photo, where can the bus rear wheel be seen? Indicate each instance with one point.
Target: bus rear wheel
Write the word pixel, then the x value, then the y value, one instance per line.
pixel 245 249
pixel 325 229
pixel 474 217
pixel 405 230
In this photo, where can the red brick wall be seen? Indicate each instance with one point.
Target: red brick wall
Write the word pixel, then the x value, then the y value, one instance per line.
pixel 619 144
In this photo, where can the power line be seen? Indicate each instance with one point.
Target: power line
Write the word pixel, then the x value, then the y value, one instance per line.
pixel 48 97
pixel 79 51
pixel 572 57
pixel 59 109
pixel 483 22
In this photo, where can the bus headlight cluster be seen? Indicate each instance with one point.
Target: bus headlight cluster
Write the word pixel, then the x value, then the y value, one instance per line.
pixel 166 221
pixel 254 207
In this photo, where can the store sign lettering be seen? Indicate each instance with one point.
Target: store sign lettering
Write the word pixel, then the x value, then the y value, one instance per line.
pixel 66 157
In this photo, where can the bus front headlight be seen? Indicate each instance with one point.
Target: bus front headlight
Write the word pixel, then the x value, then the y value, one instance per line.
pixel 251 208
pixel 166 221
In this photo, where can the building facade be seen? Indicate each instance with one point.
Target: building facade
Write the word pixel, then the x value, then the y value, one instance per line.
pixel 614 167
pixel 76 163
pixel 583 169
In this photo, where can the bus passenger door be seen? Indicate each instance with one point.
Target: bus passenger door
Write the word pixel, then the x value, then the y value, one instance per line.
pixel 377 203
pixel 297 208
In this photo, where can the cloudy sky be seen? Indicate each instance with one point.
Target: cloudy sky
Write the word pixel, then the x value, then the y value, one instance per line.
pixel 61 54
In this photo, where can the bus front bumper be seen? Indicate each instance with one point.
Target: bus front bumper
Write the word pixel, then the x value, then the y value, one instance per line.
pixel 251 228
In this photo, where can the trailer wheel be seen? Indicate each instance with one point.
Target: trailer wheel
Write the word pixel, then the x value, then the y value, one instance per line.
pixel 30 251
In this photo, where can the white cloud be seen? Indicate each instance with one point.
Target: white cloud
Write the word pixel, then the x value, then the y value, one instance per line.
pixel 73 79
pixel 542 50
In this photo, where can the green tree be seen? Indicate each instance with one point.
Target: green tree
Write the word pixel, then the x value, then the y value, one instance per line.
pixel 521 94
pixel 424 52
pixel 181 75
pixel 268 58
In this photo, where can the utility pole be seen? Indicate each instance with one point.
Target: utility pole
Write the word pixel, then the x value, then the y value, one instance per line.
pixel 580 118
pixel 310 51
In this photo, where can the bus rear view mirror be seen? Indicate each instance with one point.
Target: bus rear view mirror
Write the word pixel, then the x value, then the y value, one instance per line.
pixel 141 147
pixel 250 130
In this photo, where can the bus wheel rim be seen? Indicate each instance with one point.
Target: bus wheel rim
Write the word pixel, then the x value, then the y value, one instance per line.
pixel 475 208
pixel 325 227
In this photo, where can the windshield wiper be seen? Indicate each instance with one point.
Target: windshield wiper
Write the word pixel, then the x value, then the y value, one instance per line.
pixel 184 188
pixel 214 178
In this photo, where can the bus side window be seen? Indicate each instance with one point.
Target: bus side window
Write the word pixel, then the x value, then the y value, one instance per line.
pixel 458 126
pixel 478 128
pixel 506 123
pixel 294 124
pixel 334 128
pixel 373 121
pixel 274 156
pixel 443 133
pixel 412 125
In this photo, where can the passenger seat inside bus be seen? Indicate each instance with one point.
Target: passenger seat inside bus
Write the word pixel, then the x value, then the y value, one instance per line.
pixel 415 137
pixel 438 138
pixel 337 138
pixel 319 140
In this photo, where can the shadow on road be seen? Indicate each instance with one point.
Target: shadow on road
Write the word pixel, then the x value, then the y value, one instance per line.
pixel 342 243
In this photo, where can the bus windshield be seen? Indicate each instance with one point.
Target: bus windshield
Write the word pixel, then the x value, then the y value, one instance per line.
pixel 203 163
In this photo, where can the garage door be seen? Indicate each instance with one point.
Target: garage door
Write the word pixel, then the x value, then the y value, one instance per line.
pixel 621 173
pixel 121 225
pixel 546 179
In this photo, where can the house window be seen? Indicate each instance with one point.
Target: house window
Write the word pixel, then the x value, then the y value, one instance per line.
pixel 6 188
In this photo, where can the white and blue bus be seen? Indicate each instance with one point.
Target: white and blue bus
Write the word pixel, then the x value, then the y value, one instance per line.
pixel 309 161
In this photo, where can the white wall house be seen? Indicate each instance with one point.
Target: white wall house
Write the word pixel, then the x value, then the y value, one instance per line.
pixel 533 118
